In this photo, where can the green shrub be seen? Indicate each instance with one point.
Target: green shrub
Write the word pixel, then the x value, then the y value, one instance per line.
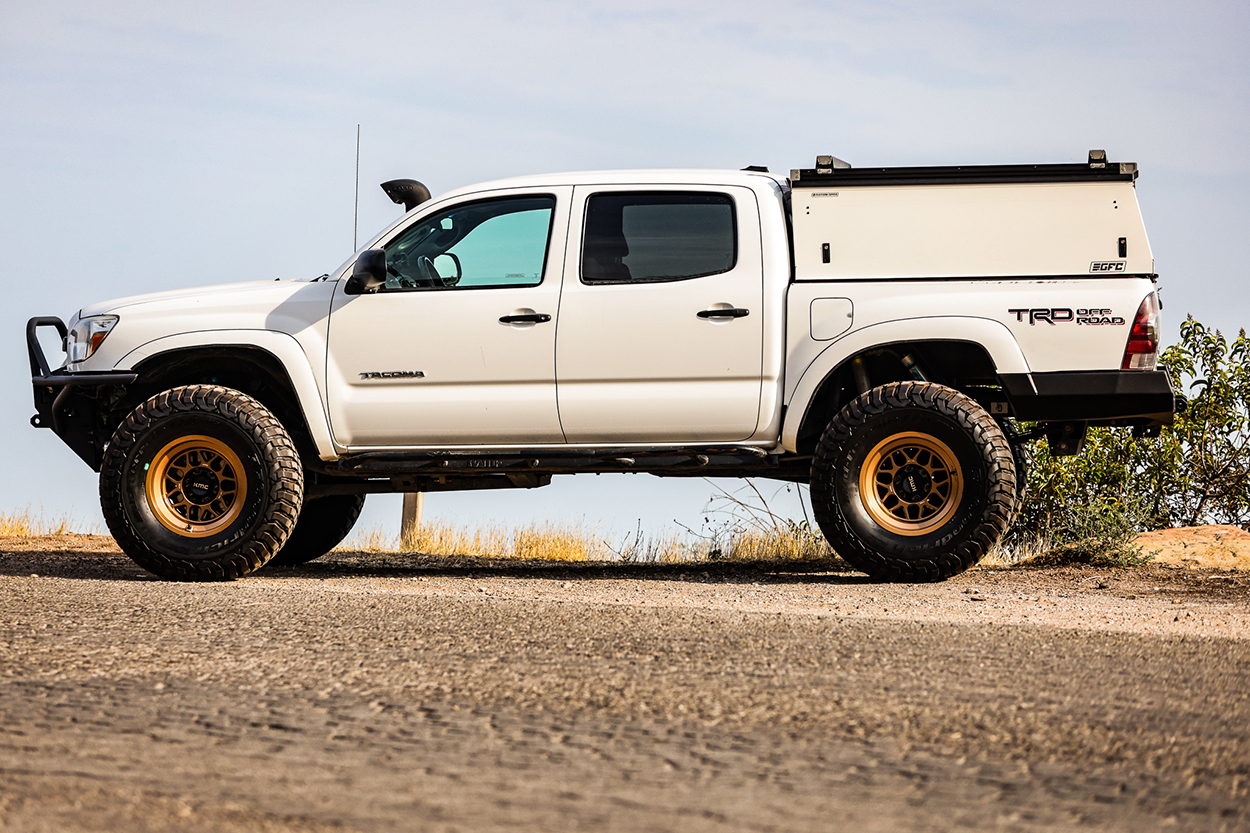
pixel 1103 534
pixel 1196 472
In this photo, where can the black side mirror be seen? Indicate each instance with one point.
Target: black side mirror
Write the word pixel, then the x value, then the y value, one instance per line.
pixel 368 274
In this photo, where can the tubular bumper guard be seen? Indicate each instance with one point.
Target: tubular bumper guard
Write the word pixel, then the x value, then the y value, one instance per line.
pixel 59 394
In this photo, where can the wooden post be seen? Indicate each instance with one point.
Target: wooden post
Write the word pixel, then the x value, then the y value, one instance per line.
pixel 410 521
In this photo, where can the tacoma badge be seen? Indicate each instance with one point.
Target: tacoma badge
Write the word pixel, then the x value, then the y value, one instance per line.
pixel 392 374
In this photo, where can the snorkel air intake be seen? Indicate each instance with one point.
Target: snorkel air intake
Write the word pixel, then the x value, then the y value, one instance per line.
pixel 406 192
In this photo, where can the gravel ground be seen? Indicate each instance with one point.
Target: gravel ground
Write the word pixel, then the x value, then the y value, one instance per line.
pixel 385 692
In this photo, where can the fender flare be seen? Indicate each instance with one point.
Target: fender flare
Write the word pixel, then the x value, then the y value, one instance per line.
pixel 991 335
pixel 282 346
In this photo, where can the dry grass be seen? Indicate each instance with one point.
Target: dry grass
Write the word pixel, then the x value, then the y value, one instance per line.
pixel 26 523
pixel 1044 552
pixel 1018 554
pixel 792 543
pixel 548 541
pixel 538 541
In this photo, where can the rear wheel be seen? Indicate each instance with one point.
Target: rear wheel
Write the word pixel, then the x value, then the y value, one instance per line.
pixel 913 481
pixel 1023 459
pixel 322 524
pixel 201 483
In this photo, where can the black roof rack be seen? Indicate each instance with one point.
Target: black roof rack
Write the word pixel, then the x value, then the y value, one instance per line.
pixel 832 171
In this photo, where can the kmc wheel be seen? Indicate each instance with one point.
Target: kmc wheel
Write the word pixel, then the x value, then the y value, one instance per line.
pixel 201 483
pixel 323 523
pixel 913 481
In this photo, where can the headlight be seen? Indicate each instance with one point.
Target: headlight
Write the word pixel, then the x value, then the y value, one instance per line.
pixel 87 335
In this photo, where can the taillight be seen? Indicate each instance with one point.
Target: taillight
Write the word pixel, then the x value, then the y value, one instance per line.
pixel 1142 350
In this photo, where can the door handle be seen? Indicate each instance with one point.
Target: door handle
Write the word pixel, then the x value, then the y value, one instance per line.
pixel 735 312
pixel 531 318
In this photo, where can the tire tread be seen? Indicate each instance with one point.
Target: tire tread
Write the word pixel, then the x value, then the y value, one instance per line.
pixel 985 434
pixel 285 478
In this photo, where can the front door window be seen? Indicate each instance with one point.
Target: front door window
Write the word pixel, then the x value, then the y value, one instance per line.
pixel 492 243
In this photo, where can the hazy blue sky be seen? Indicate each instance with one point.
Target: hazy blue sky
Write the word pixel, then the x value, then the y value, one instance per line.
pixel 148 146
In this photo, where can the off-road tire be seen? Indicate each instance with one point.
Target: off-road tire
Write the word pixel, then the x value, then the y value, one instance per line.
pixel 323 523
pixel 227 440
pixel 1023 459
pixel 965 446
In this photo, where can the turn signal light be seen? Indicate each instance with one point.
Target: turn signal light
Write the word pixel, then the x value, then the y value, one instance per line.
pixel 1142 350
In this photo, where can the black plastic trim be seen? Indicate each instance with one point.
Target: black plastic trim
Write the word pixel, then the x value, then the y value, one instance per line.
pixel 1076 276
pixel 535 318
pixel 736 312
pixel 95 379
pixel 1130 397
pixel 962 175
pixel 686 461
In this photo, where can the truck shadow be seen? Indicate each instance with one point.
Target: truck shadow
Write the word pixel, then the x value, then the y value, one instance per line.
pixel 96 563
pixel 415 565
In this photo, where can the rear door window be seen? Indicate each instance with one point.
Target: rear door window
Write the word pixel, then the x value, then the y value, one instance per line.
pixel 635 237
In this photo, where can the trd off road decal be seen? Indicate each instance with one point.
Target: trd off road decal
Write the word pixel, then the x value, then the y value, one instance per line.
pixel 1063 315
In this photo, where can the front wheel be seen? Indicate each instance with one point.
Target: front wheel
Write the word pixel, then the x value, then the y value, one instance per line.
pixel 913 481
pixel 201 483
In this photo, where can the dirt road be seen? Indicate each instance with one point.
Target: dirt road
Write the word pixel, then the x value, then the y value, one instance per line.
pixel 379 693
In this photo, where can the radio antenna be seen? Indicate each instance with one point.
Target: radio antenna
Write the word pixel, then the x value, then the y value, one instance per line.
pixel 356 209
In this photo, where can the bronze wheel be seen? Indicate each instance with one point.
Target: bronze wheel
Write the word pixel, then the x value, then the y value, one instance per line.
pixel 196 486
pixel 911 483
pixel 201 483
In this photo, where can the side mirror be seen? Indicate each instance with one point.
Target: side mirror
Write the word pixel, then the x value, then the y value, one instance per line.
pixel 368 274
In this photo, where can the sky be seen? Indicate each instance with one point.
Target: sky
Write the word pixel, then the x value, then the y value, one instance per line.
pixel 150 145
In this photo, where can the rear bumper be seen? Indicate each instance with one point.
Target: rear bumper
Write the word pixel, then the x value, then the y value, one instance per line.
pixel 1097 397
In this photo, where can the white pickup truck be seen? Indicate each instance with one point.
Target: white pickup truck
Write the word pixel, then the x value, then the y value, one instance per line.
pixel 872 332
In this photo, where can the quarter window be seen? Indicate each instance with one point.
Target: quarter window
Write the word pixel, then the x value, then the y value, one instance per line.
pixel 657 236
pixel 492 243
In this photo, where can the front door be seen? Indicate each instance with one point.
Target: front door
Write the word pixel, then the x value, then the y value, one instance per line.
pixel 458 347
pixel 661 321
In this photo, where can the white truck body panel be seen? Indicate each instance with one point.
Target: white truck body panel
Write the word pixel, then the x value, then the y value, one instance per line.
pixel 634 363
pixel 286 318
pixel 968 231
pixel 482 379
pixel 286 348
pixel 821 309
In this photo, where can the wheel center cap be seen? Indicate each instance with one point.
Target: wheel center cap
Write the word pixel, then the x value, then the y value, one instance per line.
pixel 201 486
pixel 912 483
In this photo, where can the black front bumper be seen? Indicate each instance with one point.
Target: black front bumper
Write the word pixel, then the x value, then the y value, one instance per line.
pixel 1098 397
pixel 67 402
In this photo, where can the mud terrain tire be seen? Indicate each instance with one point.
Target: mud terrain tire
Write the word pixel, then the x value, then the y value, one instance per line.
pixel 201 483
pixel 913 481
pixel 1024 462
pixel 323 523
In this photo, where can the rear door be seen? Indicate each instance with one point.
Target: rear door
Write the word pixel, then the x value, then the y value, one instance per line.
pixel 660 333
